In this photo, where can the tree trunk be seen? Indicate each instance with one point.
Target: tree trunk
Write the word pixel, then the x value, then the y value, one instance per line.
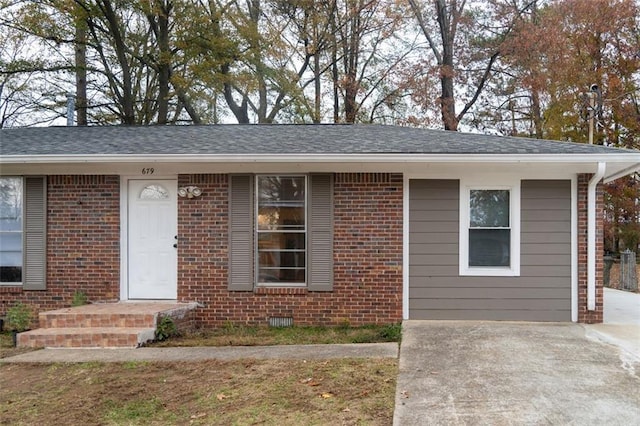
pixel 351 52
pixel 81 71
pixel 164 61
pixel 239 111
pixel 447 33
pixel 334 70
pixel 317 113
pixel 116 30
pixel 536 114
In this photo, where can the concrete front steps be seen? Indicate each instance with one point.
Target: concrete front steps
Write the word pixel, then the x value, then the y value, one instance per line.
pixel 103 325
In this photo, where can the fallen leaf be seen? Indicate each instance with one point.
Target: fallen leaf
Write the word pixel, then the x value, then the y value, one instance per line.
pixel 327 395
pixel 310 382
pixel 221 396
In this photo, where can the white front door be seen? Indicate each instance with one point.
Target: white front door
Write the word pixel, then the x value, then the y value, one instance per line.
pixel 152 242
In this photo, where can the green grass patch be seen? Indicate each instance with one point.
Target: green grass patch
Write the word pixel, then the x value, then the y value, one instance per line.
pixel 243 335
pixel 6 341
pixel 141 411
pixel 132 365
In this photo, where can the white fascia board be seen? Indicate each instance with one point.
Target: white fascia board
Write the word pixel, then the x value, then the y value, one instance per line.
pixel 415 166
pixel 622 173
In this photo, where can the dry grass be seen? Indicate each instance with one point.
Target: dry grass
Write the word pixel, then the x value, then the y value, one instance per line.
pixel 247 392
pixel 335 392
pixel 6 346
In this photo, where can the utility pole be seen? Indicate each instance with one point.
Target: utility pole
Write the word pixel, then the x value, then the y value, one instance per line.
pixel 595 105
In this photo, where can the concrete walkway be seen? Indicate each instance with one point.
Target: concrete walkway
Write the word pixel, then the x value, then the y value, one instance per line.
pixel 364 350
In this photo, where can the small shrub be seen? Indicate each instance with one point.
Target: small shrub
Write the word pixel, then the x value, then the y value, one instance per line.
pixel 165 328
pixel 79 298
pixel 18 317
pixel 344 324
pixel 391 332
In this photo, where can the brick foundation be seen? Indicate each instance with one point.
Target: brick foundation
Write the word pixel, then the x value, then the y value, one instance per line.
pixel 584 315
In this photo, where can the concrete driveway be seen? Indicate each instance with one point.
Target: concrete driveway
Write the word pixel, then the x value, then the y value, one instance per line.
pixel 621 325
pixel 501 373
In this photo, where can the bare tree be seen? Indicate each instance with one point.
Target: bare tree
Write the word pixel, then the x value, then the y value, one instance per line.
pixel 477 58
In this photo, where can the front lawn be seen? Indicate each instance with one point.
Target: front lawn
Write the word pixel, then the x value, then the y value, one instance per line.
pixel 246 392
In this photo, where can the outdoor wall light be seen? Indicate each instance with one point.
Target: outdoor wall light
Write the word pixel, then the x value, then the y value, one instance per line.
pixel 189 191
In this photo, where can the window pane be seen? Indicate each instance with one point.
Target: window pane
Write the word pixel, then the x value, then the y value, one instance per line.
pixel 279 275
pixel 281 189
pixel 10 203
pixel 281 228
pixel 10 229
pixel 281 240
pixel 489 208
pixel 10 241
pixel 11 258
pixel 281 202
pixel 281 257
pixel 489 247
pixel 10 274
pixel 276 218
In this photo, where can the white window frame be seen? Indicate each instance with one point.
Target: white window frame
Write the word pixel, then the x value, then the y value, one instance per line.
pixel 513 186
pixel 18 283
pixel 257 231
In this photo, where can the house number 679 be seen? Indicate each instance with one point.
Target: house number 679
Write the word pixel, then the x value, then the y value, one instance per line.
pixel 148 171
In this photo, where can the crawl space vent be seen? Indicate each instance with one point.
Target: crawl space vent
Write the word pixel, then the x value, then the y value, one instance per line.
pixel 280 321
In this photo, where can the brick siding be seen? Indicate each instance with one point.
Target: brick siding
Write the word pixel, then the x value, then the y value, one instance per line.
pixel 83 244
pixel 584 315
pixel 367 258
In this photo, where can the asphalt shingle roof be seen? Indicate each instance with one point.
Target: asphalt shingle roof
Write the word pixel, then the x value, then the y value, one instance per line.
pixel 272 139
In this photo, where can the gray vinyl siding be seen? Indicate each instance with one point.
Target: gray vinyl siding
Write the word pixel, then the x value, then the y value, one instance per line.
pixel 542 292
pixel 35 233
